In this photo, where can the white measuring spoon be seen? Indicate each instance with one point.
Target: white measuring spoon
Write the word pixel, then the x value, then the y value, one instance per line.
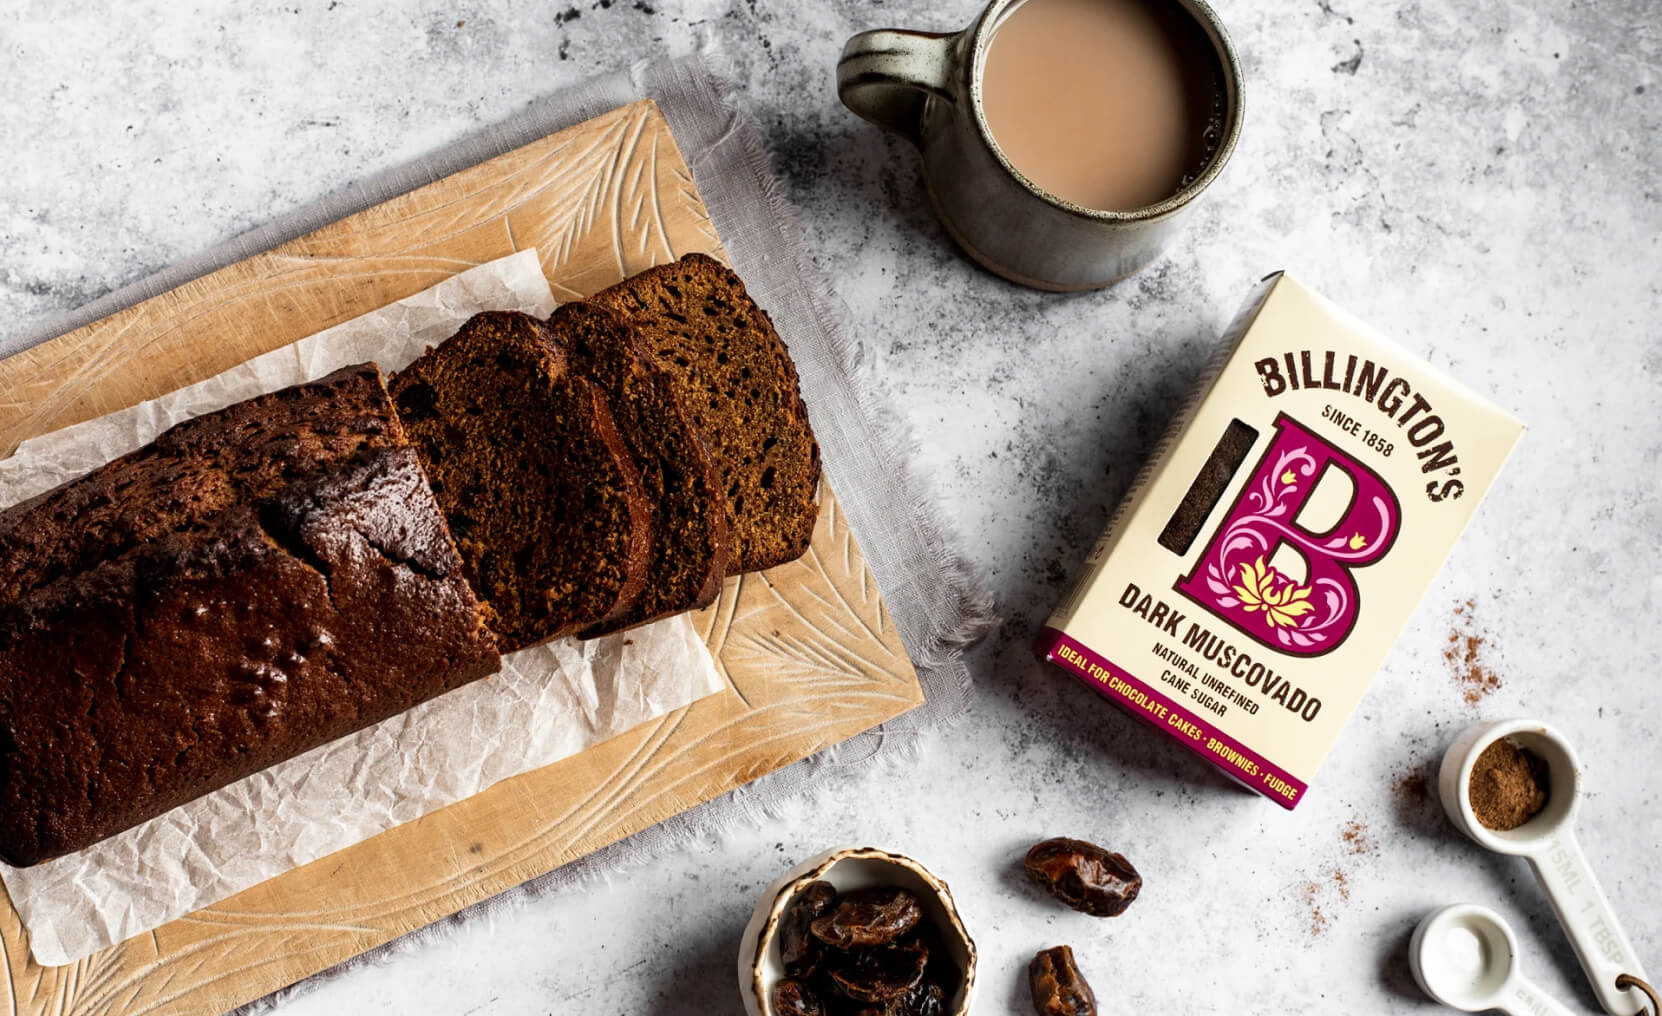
pixel 1466 957
pixel 1548 842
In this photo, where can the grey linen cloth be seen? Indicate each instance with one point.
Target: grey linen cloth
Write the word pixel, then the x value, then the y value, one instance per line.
pixel 934 602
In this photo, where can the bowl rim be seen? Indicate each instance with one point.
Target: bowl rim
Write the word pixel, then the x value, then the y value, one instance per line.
pixel 788 891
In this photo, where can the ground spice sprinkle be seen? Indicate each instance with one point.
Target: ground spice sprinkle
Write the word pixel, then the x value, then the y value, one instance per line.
pixel 1509 786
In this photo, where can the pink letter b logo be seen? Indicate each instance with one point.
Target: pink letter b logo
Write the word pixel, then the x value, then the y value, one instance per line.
pixel 1236 577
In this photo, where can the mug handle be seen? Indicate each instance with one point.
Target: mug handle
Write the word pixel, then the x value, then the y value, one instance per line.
pixel 887 75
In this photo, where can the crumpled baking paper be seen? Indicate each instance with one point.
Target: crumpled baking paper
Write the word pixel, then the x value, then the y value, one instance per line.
pixel 547 703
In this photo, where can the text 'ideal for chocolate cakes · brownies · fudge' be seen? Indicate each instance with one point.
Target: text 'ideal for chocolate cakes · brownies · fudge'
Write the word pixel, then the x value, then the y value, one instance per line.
pixel 737 381
pixel 543 498
pixel 200 647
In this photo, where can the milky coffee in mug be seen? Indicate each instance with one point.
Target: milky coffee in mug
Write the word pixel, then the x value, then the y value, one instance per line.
pixel 1113 104
pixel 1061 139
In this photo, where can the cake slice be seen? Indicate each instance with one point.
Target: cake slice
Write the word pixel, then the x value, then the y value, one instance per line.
pixel 737 381
pixel 688 559
pixel 541 493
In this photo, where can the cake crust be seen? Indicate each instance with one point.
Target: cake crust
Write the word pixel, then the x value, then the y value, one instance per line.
pixel 191 473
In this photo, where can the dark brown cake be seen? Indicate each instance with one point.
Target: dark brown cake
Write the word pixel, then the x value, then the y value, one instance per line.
pixel 541 494
pixel 737 380
pixel 208 654
pixel 688 559
pixel 192 473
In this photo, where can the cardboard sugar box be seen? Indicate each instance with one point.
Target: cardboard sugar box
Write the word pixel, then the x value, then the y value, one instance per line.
pixel 1278 539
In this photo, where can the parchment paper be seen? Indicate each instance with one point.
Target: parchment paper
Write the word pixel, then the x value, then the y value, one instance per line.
pixel 547 703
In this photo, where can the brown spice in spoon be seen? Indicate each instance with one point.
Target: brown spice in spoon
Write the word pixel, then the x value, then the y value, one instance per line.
pixel 1509 786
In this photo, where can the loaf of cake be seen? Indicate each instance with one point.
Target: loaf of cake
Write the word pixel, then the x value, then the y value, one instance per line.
pixel 270 577
pixel 688 557
pixel 737 381
pixel 208 652
pixel 543 498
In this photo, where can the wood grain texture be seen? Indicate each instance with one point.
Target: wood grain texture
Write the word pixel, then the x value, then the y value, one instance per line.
pixel 808 650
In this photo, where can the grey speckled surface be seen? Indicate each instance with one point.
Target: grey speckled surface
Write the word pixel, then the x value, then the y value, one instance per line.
pixel 1476 179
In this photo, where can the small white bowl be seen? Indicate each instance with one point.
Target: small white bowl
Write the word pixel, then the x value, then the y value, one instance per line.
pixel 849 868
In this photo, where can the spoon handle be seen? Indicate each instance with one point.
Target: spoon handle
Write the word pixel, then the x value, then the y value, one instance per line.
pixel 1523 998
pixel 1581 906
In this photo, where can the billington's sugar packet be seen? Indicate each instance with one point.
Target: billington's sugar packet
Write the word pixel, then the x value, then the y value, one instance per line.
pixel 1279 538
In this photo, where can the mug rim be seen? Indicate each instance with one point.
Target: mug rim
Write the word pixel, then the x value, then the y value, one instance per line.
pixel 981 39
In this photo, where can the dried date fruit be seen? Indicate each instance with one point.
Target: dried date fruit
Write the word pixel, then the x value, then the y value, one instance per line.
pixel 1058 988
pixel 879 973
pixel 798 949
pixel 926 998
pixel 942 970
pixel 793 998
pixel 868 917
pixel 1084 876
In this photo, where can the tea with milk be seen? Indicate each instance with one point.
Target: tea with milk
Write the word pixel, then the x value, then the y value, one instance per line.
pixel 1110 104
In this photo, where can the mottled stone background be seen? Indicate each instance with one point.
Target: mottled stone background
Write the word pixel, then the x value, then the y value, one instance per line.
pixel 1477 179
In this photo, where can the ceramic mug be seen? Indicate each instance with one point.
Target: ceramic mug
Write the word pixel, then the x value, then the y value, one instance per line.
pixel 927 87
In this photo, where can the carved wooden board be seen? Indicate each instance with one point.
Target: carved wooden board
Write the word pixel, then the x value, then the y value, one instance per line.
pixel 808 650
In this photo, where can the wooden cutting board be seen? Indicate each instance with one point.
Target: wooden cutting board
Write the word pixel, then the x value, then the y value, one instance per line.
pixel 808 651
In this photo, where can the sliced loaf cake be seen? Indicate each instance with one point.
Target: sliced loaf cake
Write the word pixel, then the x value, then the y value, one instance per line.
pixel 737 381
pixel 541 493
pixel 683 490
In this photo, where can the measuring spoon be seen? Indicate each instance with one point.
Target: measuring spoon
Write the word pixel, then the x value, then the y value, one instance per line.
pixel 1547 841
pixel 1466 957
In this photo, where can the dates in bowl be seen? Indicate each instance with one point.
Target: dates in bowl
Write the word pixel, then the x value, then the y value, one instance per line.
pixel 857 932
